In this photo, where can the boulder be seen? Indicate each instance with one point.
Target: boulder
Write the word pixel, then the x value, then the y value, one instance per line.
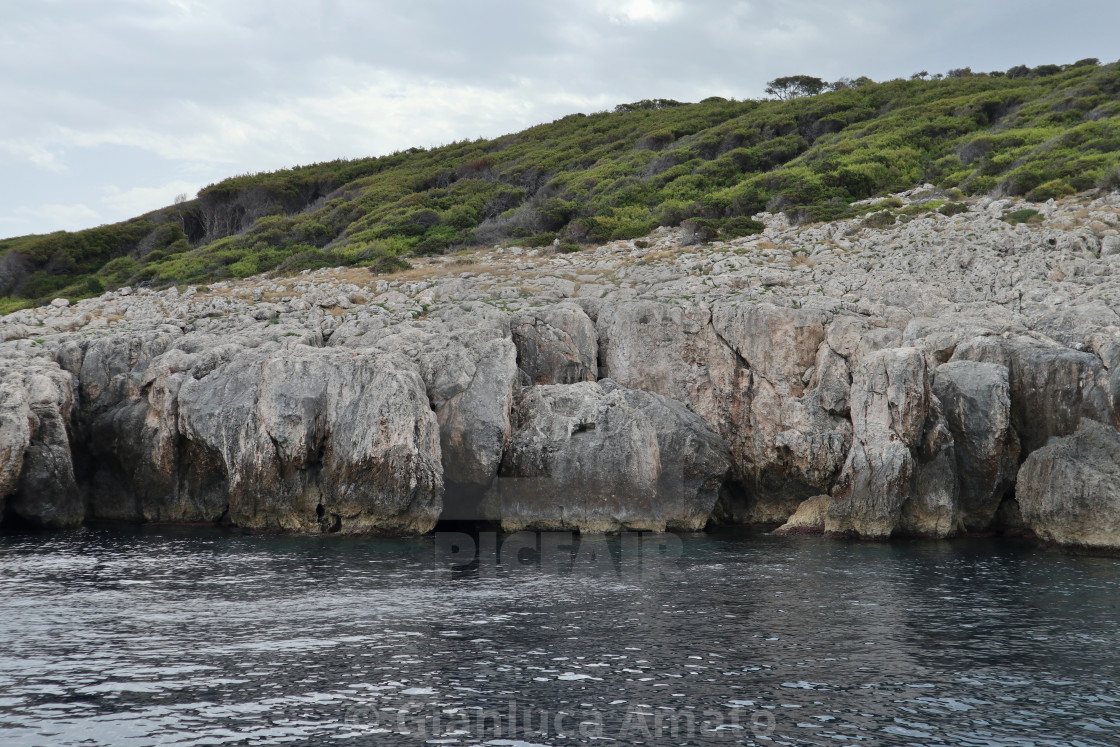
pixel 1068 491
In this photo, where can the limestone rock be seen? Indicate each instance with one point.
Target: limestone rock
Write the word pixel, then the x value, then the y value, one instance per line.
pixel 1052 387
pixel 898 475
pixel 785 447
pixel 793 442
pixel 316 440
pixel 15 435
pixel 809 518
pixel 469 366
pixel 1069 490
pixel 977 402
pixel 600 458
pixel 36 465
pixel 556 345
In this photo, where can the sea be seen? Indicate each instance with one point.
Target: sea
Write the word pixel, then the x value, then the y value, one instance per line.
pixel 205 636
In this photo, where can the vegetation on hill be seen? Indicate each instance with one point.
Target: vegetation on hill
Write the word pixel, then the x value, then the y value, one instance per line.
pixel 1039 133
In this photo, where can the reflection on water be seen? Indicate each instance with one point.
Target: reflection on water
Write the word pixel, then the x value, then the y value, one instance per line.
pixel 189 637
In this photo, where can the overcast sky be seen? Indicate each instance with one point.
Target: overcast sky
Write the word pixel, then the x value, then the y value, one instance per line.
pixel 111 108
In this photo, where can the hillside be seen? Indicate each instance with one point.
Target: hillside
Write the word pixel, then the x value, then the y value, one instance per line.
pixel 1038 134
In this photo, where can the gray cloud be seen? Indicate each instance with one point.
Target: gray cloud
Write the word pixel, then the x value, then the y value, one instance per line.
pixel 112 108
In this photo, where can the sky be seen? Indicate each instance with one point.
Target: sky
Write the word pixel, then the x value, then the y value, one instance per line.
pixel 112 108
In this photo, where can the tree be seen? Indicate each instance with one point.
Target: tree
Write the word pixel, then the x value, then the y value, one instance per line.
pixel 794 86
pixel 920 76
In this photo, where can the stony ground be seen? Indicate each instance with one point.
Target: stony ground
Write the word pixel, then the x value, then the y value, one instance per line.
pixel 973 264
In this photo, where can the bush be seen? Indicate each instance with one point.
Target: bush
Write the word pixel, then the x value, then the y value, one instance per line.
pixel 953 208
pixel 389 264
pixel 1051 190
pixel 880 219
pixel 92 286
pixel 733 228
pixel 1027 215
pixel 310 259
pixel 1110 180
pixel 244 268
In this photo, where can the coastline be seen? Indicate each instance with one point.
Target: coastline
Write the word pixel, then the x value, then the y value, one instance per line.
pixel 944 376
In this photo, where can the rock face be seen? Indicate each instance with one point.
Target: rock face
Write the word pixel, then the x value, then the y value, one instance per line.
pixel 976 398
pixel 831 377
pixel 1069 490
pixel 37 485
pixel 795 435
pixel 899 473
pixel 600 457
pixel 556 345
pixel 468 364
pixel 1052 387
pixel 340 441
pixel 761 376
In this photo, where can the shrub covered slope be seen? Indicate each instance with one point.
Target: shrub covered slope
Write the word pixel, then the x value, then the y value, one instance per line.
pixel 1043 133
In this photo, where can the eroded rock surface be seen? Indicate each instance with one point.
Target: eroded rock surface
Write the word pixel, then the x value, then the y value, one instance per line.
pixel 976 398
pixel 556 345
pixel 832 377
pixel 1069 490
pixel 899 472
pixel 600 457
pixel 37 484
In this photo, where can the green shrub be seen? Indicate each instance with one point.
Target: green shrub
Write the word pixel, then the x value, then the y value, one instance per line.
pixel 119 271
pixel 1110 180
pixel 953 208
pixel 1027 215
pixel 388 264
pixel 734 228
pixel 244 267
pixel 1052 189
pixel 880 219
pixel 310 259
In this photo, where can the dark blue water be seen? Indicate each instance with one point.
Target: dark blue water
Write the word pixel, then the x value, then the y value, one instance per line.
pixel 192 637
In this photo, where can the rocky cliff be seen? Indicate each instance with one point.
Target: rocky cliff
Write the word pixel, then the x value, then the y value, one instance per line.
pixel 943 375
